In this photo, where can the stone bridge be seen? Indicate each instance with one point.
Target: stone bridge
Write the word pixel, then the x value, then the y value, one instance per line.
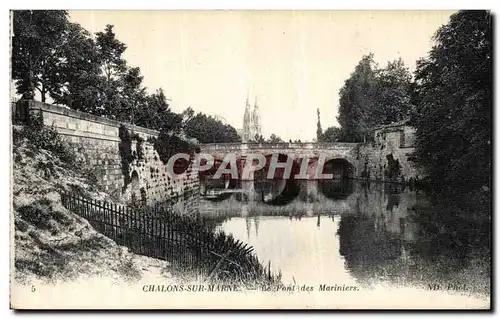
pixel 339 159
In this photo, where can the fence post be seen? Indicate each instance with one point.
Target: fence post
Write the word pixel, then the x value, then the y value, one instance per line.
pixel 105 212
pixel 82 207
pixel 170 236
pixel 119 212
pixel 102 213
pixel 77 206
pixel 157 237
pixel 133 226
pixel 114 220
pixel 87 208
pixel 112 207
pixel 148 233
pixel 113 225
pixel 163 228
pixel 101 216
pixel 91 207
pixel 141 232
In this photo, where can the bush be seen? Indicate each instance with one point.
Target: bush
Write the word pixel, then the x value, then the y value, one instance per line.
pixel 36 214
pixel 37 136
pixel 126 154
pixel 168 145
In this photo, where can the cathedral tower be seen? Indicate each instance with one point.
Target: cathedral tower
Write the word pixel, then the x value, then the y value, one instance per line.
pixel 246 123
pixel 251 122
pixel 256 120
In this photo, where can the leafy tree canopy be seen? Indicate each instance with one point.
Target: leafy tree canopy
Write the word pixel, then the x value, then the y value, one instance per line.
pixel 207 129
pixel 331 134
pixel 453 96
pixel 372 96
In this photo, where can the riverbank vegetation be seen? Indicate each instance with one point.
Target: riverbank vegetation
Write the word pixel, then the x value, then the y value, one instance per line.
pixel 53 243
pixel 447 99
pixel 199 249
pixel 65 63
pixel 438 239
pixel 453 103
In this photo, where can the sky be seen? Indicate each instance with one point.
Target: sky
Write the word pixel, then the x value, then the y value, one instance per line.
pixel 292 62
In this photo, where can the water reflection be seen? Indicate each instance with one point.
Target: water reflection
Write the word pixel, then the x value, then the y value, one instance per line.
pixel 365 234
pixel 402 237
pixel 336 189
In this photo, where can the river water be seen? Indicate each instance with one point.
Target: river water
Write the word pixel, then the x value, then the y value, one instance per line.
pixel 350 234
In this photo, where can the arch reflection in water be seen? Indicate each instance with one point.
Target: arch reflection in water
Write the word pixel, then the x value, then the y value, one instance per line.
pixel 336 189
pixel 281 192
pixel 400 237
pixel 370 234
pixel 340 168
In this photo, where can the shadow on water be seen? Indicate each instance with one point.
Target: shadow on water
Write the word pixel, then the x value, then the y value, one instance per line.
pixel 386 233
pixel 336 189
pixel 270 192
pixel 288 195
pixel 219 197
pixel 440 239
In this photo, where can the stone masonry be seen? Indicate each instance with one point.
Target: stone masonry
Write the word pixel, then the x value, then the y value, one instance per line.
pixel 396 140
pixel 96 140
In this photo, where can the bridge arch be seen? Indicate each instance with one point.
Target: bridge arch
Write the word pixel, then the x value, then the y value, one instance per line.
pixel 341 185
pixel 340 167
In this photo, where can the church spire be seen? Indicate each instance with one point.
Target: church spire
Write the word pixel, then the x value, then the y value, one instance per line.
pixel 256 119
pixel 247 118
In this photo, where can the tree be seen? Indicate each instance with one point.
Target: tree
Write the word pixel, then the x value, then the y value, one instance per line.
pixel 207 129
pixel 371 97
pixel 39 36
pixel 156 114
pixel 453 102
pixel 331 134
pixel 275 139
pixel 119 86
pixel 89 75
pixel 113 65
pixel 393 94
pixel 76 82
pixel 357 101
pixel 259 138
pixel 113 69
pixel 62 61
pixel 187 116
pixel 133 95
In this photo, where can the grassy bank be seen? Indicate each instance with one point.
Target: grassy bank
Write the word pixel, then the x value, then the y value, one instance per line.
pixel 53 243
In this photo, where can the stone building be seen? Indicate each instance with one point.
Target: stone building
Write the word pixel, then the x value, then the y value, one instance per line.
pixel 389 156
pixel 251 122
pixel 398 134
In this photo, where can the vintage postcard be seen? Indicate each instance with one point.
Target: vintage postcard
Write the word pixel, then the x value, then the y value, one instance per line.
pixel 251 159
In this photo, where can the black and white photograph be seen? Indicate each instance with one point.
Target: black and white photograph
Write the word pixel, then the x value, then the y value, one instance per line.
pixel 251 159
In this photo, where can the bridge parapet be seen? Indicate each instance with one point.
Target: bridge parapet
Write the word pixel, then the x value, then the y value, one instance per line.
pixel 278 146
